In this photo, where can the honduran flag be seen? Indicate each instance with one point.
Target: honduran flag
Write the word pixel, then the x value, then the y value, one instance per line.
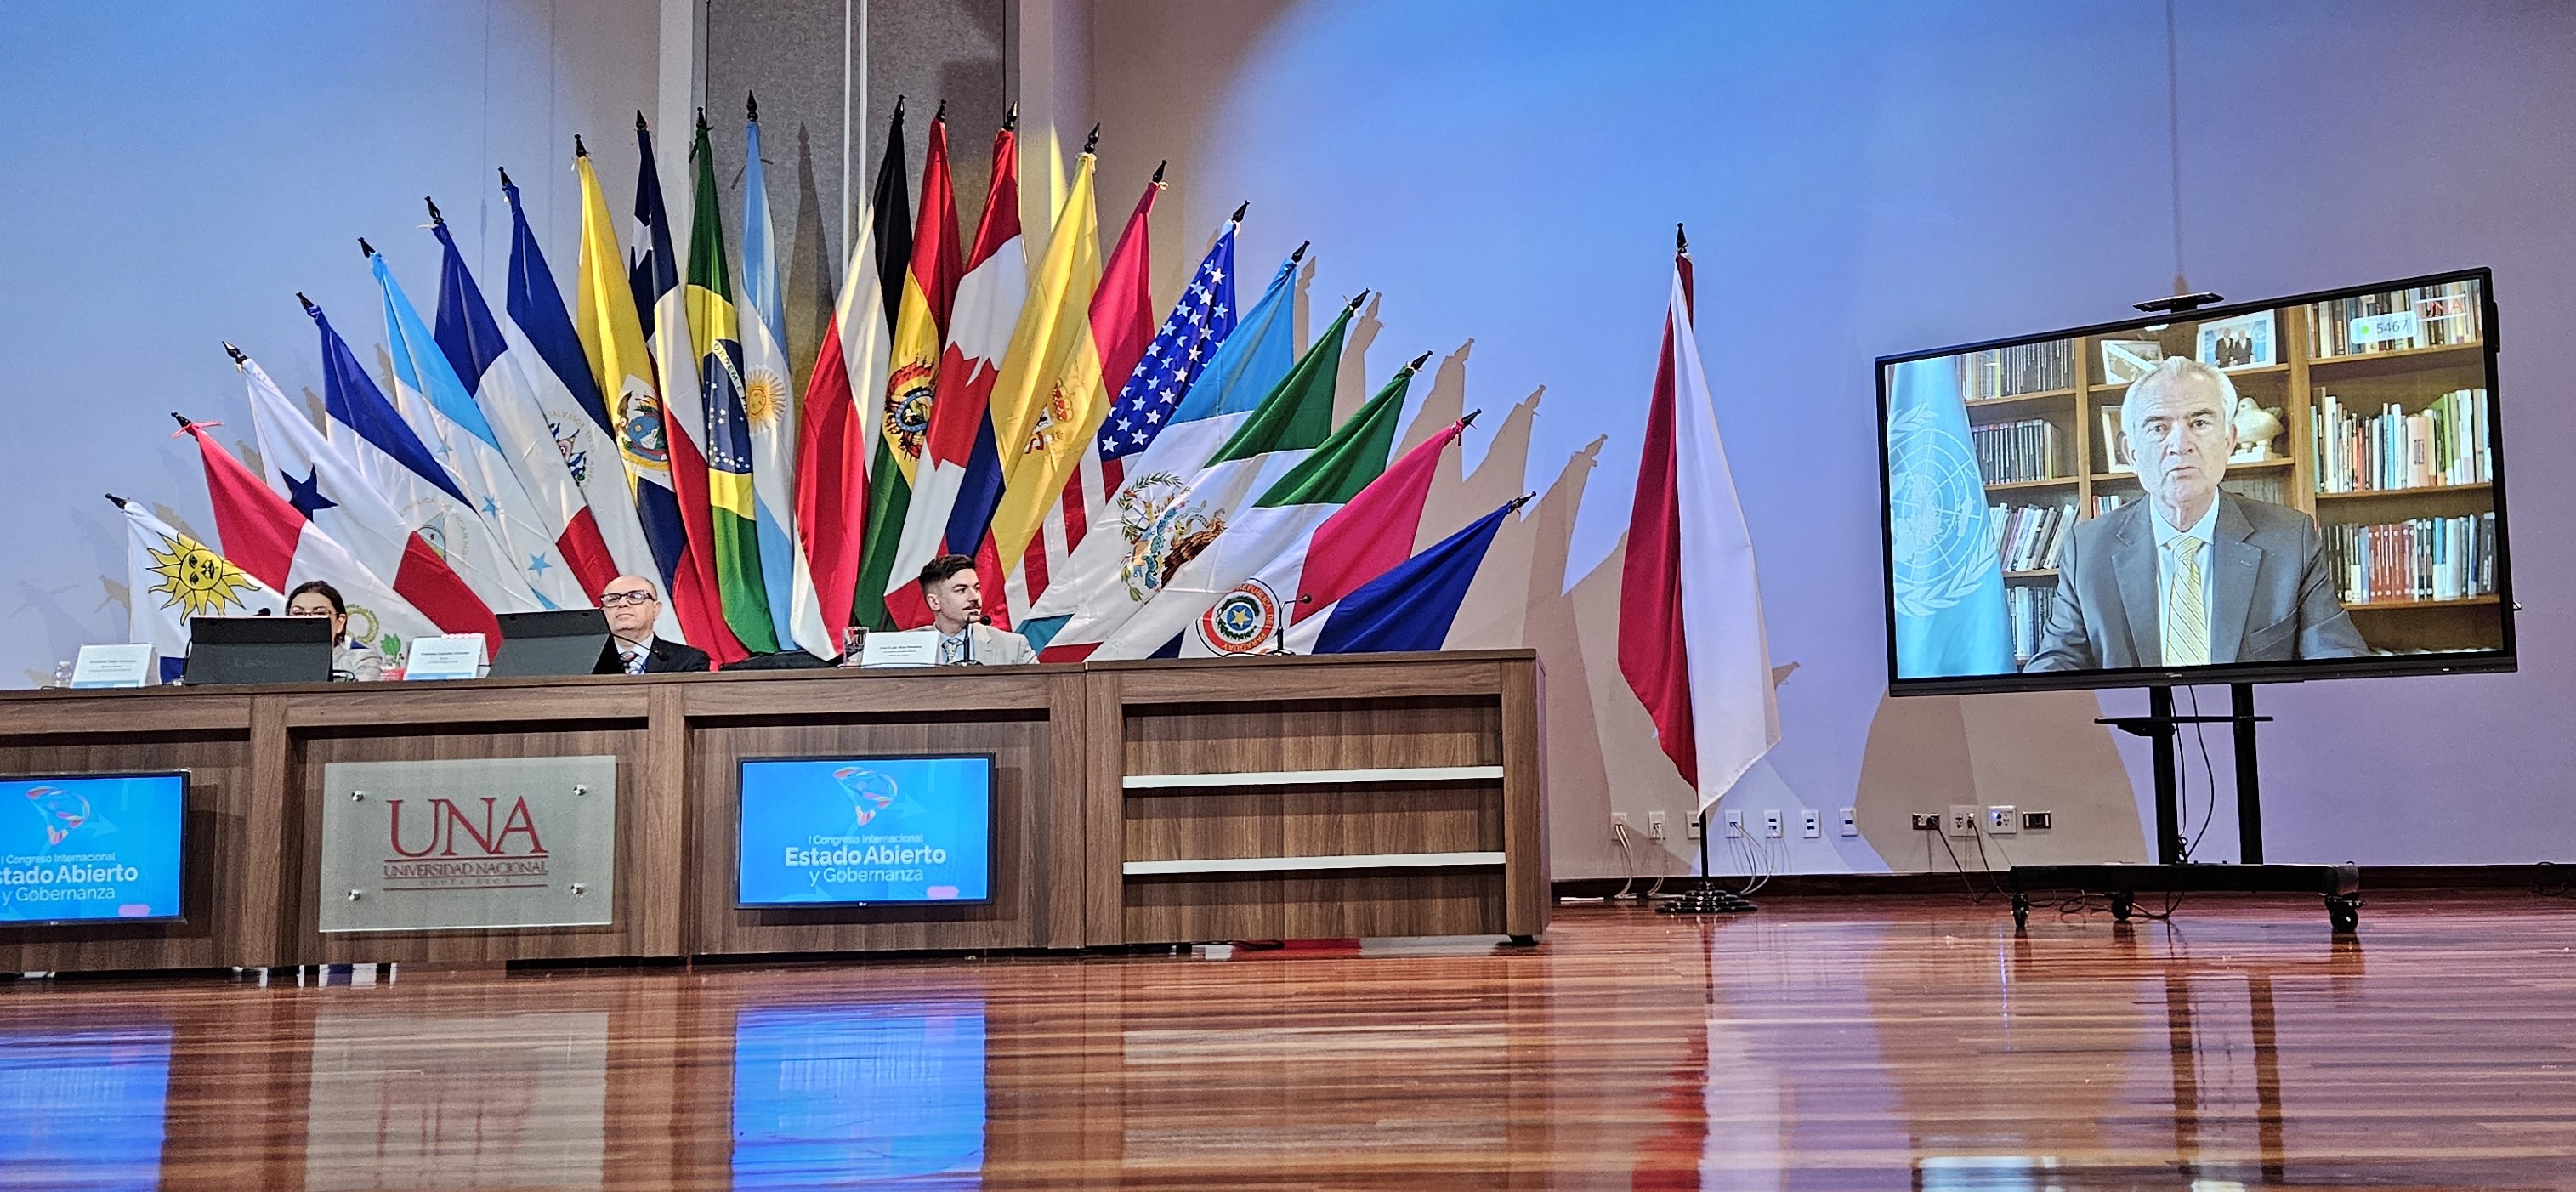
pixel 959 477
pixel 324 487
pixel 1359 542
pixel 393 458
pixel 1411 606
pixel 170 577
pixel 1691 643
pixel 272 543
pixel 532 440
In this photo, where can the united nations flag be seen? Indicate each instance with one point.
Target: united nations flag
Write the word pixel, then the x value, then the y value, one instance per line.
pixel 1945 579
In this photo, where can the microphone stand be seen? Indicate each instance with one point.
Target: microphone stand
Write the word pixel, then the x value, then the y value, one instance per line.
pixel 1279 648
pixel 966 646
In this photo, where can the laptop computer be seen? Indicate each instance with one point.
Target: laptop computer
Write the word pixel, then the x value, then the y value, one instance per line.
pixel 572 641
pixel 258 650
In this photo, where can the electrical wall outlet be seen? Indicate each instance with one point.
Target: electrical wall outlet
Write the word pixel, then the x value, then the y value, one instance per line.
pixel 2002 819
pixel 1927 821
pixel 2039 821
pixel 1618 825
pixel 1655 823
pixel 1962 820
pixel 1735 825
pixel 1811 824
pixel 1771 823
pixel 1690 827
pixel 1851 821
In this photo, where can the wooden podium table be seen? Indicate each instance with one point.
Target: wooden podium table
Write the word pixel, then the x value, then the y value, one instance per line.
pixel 1135 803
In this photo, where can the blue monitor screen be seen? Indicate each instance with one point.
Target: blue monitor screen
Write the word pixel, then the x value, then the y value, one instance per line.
pixel 88 848
pixel 824 831
pixel 862 1096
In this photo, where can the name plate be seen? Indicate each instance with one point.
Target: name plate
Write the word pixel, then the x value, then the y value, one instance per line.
pixel 2380 328
pixel 455 656
pixel 902 647
pixel 121 665
pixel 469 843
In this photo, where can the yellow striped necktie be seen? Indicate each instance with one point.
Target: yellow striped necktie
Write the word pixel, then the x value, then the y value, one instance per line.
pixel 2186 607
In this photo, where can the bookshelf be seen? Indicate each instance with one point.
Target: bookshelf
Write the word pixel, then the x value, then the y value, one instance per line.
pixel 2314 357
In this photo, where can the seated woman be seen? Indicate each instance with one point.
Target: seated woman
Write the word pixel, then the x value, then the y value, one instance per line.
pixel 350 660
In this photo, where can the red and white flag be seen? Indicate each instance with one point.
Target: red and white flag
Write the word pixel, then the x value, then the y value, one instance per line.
pixel 274 544
pixel 1691 643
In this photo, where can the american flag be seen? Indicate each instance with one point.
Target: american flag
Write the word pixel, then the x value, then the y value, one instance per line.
pixel 1189 335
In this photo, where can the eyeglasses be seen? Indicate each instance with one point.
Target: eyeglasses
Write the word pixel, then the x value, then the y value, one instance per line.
pixel 615 599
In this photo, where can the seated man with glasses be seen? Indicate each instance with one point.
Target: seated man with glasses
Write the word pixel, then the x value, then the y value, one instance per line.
pixel 632 608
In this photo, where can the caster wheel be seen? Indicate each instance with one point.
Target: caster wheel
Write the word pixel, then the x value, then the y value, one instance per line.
pixel 2344 912
pixel 2121 904
pixel 2021 911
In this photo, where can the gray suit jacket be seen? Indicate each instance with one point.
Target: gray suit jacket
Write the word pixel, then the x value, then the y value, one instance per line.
pixel 2274 601
pixel 1000 647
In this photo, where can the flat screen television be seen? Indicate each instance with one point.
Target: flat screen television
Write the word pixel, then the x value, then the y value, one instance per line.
pixel 864 831
pixel 2303 488
pixel 92 847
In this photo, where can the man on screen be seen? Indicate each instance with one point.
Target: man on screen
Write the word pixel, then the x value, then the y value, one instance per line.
pixel 2190 576
pixel 956 598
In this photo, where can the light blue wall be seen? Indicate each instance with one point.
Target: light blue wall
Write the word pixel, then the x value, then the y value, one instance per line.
pixel 1867 178
pixel 176 172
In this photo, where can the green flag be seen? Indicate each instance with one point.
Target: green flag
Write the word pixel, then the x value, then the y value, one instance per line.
pixel 728 447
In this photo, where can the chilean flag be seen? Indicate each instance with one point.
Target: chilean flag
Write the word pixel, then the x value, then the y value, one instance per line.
pixel 1691 643
pixel 320 485
pixel 273 543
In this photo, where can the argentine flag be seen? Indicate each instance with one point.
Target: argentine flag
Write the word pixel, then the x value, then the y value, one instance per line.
pixel 1945 580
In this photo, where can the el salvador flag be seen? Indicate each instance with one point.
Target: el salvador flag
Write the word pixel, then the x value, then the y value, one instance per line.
pixel 1945 579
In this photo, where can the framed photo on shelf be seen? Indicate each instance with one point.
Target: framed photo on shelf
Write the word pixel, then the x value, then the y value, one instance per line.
pixel 2126 360
pixel 2115 443
pixel 2241 342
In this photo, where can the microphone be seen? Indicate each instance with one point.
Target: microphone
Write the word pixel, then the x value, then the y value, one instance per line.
pixel 966 647
pixel 1280 646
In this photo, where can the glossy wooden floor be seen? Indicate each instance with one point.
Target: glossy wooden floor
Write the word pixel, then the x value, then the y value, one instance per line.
pixel 1821 1043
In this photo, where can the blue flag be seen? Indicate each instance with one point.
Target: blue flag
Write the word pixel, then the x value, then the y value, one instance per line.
pixel 1412 606
pixel 1946 581
pixel 1187 342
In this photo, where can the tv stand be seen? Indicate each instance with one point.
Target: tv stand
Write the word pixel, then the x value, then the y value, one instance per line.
pixel 2339 885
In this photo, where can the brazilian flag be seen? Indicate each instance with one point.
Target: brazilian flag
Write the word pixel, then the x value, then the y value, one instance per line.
pixel 718 341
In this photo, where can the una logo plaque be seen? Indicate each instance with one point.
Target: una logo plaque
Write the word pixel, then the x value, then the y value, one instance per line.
pixel 468 843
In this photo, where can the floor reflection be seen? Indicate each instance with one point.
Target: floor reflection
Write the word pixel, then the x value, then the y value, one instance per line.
pixel 84 1104
pixel 880 1096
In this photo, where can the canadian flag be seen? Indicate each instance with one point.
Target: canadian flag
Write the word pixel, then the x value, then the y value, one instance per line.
pixel 265 537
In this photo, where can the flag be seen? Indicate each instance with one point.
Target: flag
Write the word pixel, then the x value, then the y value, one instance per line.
pixel 272 543
pixel 960 471
pixel 832 441
pixel 1154 385
pixel 1051 324
pixel 621 371
pixel 653 272
pixel 541 337
pixel 1167 517
pixel 434 400
pixel 1690 607
pixel 325 487
pixel 1046 502
pixel 170 577
pixel 393 459
pixel 1279 522
pixel 1412 606
pixel 912 373
pixel 1948 581
pixel 892 222
pixel 498 380
pixel 735 542
pixel 769 403
pixel 1355 544
pixel 1200 401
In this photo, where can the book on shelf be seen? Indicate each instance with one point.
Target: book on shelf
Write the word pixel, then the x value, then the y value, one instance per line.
pixel 2445 443
pixel 2397 320
pixel 2014 451
pixel 2027 608
pixel 2426 558
pixel 2021 368
pixel 2106 502
pixel 2029 537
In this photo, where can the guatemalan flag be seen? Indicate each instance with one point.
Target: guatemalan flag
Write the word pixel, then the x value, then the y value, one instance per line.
pixel 325 487
pixel 1691 643
pixel 1948 581
pixel 274 544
